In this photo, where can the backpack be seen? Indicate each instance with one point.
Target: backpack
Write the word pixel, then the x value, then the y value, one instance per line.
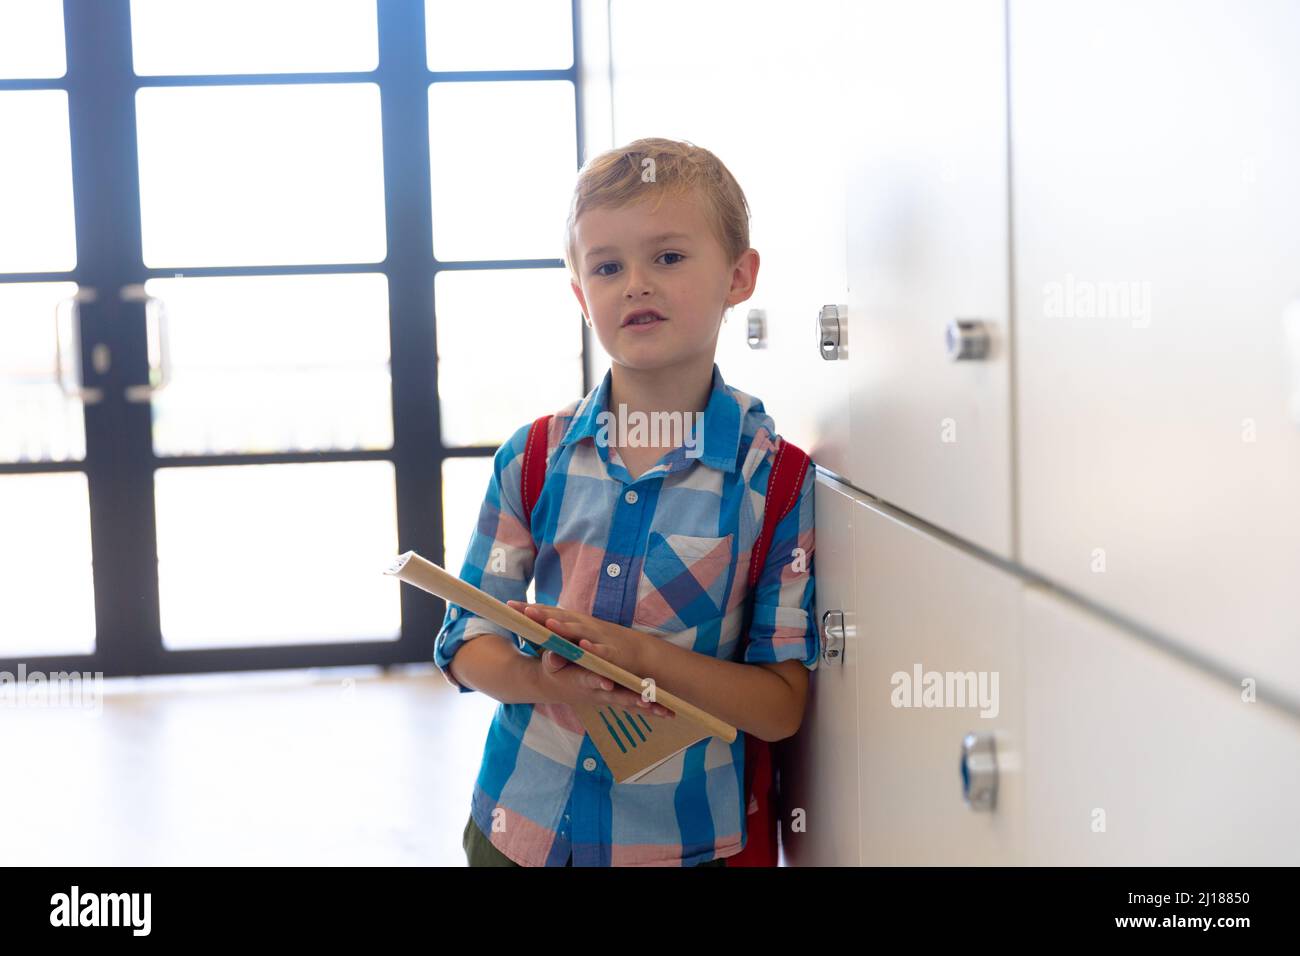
pixel 762 792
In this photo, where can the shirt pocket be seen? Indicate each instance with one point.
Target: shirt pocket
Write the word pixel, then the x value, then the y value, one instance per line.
pixel 684 581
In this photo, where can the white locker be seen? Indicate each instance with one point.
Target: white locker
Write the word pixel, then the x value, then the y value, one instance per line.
pixel 1155 198
pixel 924 129
pixel 1134 757
pixel 760 89
pixel 819 771
pixel 926 607
pixel 921 163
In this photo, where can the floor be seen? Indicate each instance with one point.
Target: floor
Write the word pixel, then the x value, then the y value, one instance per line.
pixel 322 766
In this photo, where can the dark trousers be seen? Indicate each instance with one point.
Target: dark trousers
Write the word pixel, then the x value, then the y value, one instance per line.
pixel 479 850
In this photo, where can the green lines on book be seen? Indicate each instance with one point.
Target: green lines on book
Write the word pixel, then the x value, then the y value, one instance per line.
pixel 627 727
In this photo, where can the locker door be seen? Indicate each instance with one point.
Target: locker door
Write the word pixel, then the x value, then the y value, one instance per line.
pixel 924 120
pixel 1135 757
pixel 819 773
pixel 758 87
pixel 1158 316
pixel 794 180
pixel 927 607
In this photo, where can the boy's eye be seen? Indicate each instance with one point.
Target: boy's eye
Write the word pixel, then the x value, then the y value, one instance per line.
pixel 600 267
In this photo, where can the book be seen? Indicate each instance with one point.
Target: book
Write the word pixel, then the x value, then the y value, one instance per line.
pixel 632 744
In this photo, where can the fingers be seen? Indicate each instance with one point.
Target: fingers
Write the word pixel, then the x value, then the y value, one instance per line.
pixel 605 689
pixel 538 611
pixel 598 688
pixel 657 710
pixel 606 692
pixel 629 699
pixel 566 629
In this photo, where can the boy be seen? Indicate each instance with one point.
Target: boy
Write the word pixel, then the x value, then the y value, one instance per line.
pixel 641 556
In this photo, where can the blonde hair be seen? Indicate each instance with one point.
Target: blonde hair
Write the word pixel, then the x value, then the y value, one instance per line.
pixel 660 167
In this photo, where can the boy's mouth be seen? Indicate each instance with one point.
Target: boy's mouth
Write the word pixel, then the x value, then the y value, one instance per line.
pixel 643 317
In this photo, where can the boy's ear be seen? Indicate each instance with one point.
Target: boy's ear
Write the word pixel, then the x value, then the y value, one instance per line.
pixel 744 277
pixel 577 290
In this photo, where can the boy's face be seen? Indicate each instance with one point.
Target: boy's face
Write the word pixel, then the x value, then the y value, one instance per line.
pixel 667 260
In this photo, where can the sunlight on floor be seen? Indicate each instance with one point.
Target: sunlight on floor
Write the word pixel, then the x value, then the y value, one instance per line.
pixel 315 767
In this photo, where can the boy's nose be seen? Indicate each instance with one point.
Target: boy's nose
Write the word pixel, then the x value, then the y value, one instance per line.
pixel 637 284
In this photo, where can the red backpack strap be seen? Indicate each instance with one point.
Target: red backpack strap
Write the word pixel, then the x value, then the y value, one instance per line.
pixel 783 486
pixel 761 789
pixel 534 475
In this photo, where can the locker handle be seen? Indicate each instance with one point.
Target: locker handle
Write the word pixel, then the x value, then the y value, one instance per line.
pixel 756 333
pixel 979 772
pixel 966 339
pixel 833 638
pixel 830 332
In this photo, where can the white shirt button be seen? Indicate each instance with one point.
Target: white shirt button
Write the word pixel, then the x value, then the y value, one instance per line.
pixel 613 570
pixel 588 764
pixel 453 612
pixel 630 497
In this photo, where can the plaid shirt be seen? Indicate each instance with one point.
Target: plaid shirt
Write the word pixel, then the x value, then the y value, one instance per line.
pixel 618 549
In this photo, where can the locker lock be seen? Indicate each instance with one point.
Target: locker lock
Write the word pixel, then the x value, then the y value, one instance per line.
pixel 833 637
pixel 967 339
pixel 979 772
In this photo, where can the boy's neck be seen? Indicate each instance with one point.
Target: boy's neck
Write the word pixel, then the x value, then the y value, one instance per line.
pixel 683 388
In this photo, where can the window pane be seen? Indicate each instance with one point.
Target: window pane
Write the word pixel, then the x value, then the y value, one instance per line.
pixel 483 403
pixel 31 40
pixel 186 37
pixel 261 175
pixel 499 34
pixel 38 421
pixel 274 363
pixel 464 486
pixel 255 555
pixel 487 392
pixel 47 596
pixel 504 159
pixel 464 483
pixel 36 223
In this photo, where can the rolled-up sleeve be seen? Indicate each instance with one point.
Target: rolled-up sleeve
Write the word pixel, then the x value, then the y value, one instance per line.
pixel 784 623
pixel 499 559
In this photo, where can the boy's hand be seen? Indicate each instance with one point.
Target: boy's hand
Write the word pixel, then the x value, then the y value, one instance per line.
pixel 616 644
pixel 574 685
